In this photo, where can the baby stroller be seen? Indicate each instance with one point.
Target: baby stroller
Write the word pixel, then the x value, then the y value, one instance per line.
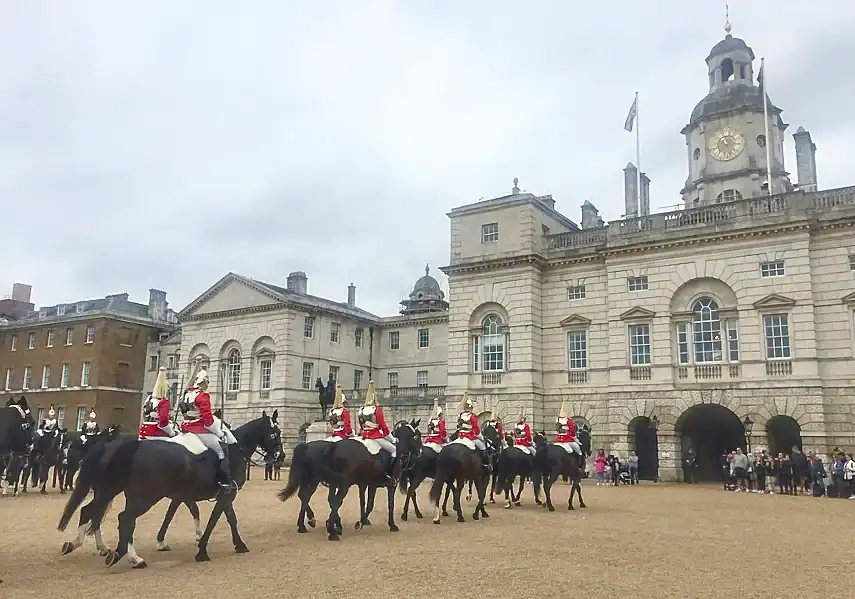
pixel 623 475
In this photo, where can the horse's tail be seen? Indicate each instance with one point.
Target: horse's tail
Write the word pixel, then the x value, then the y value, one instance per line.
pixel 438 482
pixel 295 472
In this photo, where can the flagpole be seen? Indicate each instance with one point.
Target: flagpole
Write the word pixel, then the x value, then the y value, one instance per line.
pixel 638 152
pixel 766 123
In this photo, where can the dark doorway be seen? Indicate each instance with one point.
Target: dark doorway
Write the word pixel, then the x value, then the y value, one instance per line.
pixel 646 446
pixel 784 433
pixel 711 430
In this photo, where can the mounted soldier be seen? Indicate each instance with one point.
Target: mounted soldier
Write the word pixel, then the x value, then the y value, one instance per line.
pixel 372 425
pixel 156 410
pixel 49 426
pixel 339 418
pixel 90 428
pixel 566 437
pixel 200 420
pixel 437 432
pixel 497 424
pixel 468 428
pixel 522 434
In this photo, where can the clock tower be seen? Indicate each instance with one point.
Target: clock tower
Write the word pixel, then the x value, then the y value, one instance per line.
pixel 726 135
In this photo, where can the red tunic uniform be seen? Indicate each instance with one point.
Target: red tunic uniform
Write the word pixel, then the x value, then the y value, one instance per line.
pixel 499 428
pixel 522 434
pixel 152 428
pixel 379 431
pixel 200 410
pixel 440 436
pixel 474 428
pixel 567 432
pixel 341 423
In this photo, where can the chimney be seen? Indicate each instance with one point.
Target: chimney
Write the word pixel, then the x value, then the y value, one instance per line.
pixel 157 304
pixel 351 295
pixel 298 282
pixel 644 195
pixel 22 292
pixel 805 160
pixel 630 190
pixel 590 216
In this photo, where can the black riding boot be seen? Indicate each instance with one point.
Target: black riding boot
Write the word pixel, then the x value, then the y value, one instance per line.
pixel 224 476
pixel 390 472
pixel 485 460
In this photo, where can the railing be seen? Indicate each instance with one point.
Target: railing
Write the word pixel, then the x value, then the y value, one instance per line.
pixel 779 368
pixel 397 393
pixel 640 373
pixel 575 377
pixel 491 378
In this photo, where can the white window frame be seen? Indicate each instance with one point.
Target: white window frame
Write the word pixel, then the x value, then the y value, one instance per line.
pixel 357 378
pixel 85 374
pixel 684 346
pixel 60 416
pixel 81 418
pixel 309 327
pixel 79 308
pixel 69 337
pixel 28 378
pixel 335 332
pixel 153 363
pixel 40 415
pixel 393 380
pixel 707 342
pixel 635 332
pixel 13 343
pixel 50 338
pixel 171 360
pixel 577 341
pixel 575 292
pixel 233 370
pixel 65 377
pixel 733 349
pixel 394 340
pixel 479 356
pixel 31 341
pixel 358 334
pixel 636 284
pixel 307 375
pixel 728 195
pixel 851 261
pixel 60 310
pixel 424 338
pixel 7 386
pixel 772 268
pixel 421 378
pixel 90 334
pixel 783 322
pixel 46 376
pixel 334 372
pixel 265 371
pixel 490 232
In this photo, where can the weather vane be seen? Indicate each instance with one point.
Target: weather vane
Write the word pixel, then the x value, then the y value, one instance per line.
pixel 726 17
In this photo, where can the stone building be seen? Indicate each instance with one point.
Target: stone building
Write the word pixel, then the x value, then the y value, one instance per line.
pixel 82 355
pixel 265 346
pixel 728 323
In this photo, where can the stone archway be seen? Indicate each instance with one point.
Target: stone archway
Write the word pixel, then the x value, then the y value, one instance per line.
pixel 784 433
pixel 643 440
pixel 711 430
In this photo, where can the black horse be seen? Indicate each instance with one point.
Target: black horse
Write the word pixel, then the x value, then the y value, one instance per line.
pixel 552 461
pixel 457 463
pixel 147 471
pixel 515 461
pixel 421 467
pixel 76 450
pixel 47 454
pixel 16 433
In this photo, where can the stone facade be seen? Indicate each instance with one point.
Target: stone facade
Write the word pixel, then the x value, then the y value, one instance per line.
pixel 745 304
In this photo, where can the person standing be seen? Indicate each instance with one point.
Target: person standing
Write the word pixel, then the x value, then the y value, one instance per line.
pixel 632 465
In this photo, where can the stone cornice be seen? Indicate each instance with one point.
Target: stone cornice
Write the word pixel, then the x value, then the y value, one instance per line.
pixel 414 320
pixel 73 319
pixel 773 301
pixel 495 263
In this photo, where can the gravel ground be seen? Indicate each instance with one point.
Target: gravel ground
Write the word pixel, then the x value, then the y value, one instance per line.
pixel 646 541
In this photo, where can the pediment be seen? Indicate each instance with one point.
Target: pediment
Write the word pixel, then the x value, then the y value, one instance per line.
pixel 232 292
pixel 575 320
pixel 774 300
pixel 637 313
pixel 849 299
pixel 265 353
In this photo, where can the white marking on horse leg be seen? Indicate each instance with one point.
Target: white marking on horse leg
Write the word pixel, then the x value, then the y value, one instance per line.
pixel 199 530
pixel 436 514
pixel 133 558
pixel 81 535
pixel 99 542
pixel 3 485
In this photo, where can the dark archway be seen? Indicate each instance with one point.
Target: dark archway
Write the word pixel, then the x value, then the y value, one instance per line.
pixel 711 430
pixel 784 433
pixel 645 444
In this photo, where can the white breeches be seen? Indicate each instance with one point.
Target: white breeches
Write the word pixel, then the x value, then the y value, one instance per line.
pixel 212 442
pixel 479 443
pixel 576 447
pixel 386 444
pixel 168 429
pixel 228 437
pixel 532 449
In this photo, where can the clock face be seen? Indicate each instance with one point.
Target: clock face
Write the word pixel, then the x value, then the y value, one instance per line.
pixel 726 144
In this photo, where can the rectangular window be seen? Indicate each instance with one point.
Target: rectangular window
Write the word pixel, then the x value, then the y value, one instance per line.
pixel 393 380
pixel 306 379
pixel 90 334
pixel 335 332
pixel 266 368
pixel 493 352
pixel 45 377
pixel 637 283
pixel 357 337
pixel 60 417
pixel 732 341
pixel 309 327
pixel 66 375
pixel 7 386
pixel 171 361
pixel 424 338
pixel 122 375
pixel 476 354
pixel 489 232
pixel 577 349
pixel 84 374
pixel 357 379
pixel 851 261
pixel 28 378
pixel 772 269
pixel 776 329
pixel 639 344
pixel 69 336
pixel 576 292
pixel 60 310
pixel 683 343
pixel 51 337
pixel 153 362
pixel 13 343
pixel 421 378
pixel 394 340
pixel 81 418
pixel 79 307
pixel 40 415
pixel 334 373
pixel 31 341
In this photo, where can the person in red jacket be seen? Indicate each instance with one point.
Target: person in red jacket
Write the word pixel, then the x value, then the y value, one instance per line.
pixel 155 417
pixel 468 428
pixel 497 424
pixel 339 417
pixel 372 425
pixel 199 420
pixel 522 434
pixel 566 437
pixel 437 432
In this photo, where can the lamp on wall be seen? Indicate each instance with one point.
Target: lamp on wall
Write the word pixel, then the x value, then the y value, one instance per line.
pixel 654 422
pixel 748 425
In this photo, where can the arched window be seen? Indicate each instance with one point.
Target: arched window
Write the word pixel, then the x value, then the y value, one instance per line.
pixel 706 326
pixel 728 195
pixel 233 371
pixel 489 345
pixel 726 70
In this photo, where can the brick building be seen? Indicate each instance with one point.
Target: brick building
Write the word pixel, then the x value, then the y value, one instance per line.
pixel 81 355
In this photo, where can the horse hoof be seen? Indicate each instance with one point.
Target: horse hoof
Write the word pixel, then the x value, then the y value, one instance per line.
pixel 445 513
pixel 484 514
pixel 419 516
pixel 436 520
pixel 163 547
pixel 394 528
pixel 334 537
pixel 202 556
pixel 507 505
pixel 582 505
pixel 67 547
pixel 551 508
pixel 241 548
pixel 461 519
pixel 312 523
pixel 140 565
pixel 366 522
pixel 42 492
pixel 492 500
pixel 475 516
pixel 404 517
pixel 570 507
pixel 302 530
pixel 357 527
pixel 112 559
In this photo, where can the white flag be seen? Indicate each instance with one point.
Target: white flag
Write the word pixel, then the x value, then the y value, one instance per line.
pixel 630 118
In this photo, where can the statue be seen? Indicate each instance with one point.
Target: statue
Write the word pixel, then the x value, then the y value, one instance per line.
pixel 323 397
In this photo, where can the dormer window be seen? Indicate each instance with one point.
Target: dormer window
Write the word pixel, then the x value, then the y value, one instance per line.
pixel 60 310
pixel 79 308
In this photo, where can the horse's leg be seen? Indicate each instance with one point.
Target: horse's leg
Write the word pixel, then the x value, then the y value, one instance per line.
pixel 134 508
pixel 334 527
pixel 577 483
pixel 41 481
pixel 305 493
pixel 202 554
pixel 231 518
pixel 494 478
pixel 162 545
pixel 390 504
pixel 449 487
pixel 311 488
pixel 481 508
pixel 517 501
pixel 363 516
pixel 407 503
pixel 507 487
pixel 53 478
pixel 197 518
pixel 85 525
pixel 469 494
pixel 458 490
pixel 372 497
pixel 547 489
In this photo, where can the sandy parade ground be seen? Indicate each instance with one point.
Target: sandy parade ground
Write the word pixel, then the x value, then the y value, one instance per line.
pixel 646 541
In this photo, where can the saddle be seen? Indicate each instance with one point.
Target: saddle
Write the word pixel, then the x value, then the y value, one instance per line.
pixel 433 446
pixel 371 445
pixel 522 448
pixel 569 449
pixel 465 442
pixel 188 441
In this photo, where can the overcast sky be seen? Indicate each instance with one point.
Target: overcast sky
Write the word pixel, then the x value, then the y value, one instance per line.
pixel 164 143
